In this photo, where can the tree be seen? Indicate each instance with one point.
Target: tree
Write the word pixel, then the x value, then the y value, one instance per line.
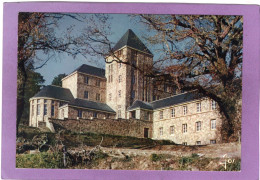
pixel 33 85
pixel 202 53
pixel 36 33
pixel 57 80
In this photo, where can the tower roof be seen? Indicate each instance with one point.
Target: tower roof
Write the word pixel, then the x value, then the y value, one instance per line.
pixel 130 39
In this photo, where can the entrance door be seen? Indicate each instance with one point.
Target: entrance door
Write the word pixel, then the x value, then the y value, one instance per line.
pixel 146 132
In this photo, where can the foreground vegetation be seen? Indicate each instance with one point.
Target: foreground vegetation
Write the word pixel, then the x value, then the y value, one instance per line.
pixel 42 149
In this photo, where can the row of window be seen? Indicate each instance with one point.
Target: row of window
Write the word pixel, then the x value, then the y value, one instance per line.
pixel 98 82
pixel 119 95
pixel 198 127
pixel 80 113
pixel 213 141
pixel 185 109
pixel 86 95
pixel 45 109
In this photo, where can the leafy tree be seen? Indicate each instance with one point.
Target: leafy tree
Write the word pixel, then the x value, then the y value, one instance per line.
pixel 33 85
pixel 57 80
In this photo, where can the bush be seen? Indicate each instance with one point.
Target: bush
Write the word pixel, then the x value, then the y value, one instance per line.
pixel 156 157
pixel 40 160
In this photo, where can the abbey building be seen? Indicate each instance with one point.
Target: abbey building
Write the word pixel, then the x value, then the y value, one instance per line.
pixel 125 91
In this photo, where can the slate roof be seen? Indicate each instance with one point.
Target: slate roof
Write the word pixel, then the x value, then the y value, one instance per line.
pixel 131 40
pixel 91 105
pixel 91 70
pixel 177 99
pixel 140 104
pixel 55 92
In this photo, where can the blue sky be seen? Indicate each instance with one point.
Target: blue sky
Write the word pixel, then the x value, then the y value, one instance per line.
pixel 63 63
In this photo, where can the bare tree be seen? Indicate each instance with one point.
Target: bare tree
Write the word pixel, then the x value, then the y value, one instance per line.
pixel 36 33
pixel 202 53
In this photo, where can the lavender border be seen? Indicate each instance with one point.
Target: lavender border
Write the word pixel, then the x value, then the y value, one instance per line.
pixel 251 80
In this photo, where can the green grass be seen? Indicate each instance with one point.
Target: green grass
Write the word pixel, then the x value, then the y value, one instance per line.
pixel 40 160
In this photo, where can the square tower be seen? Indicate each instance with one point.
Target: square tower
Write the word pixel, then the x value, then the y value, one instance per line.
pixel 127 73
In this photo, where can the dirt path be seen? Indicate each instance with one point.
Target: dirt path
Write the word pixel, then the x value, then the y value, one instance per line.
pixel 210 151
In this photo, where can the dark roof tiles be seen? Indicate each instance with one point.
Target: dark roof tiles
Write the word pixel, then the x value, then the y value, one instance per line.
pixel 131 40
pixel 91 70
pixel 140 104
pixel 55 92
pixel 170 101
pixel 91 105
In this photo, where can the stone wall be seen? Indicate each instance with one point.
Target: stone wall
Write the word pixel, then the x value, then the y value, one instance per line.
pixel 122 127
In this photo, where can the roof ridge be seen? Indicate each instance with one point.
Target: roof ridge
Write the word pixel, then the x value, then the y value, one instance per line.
pixel 173 96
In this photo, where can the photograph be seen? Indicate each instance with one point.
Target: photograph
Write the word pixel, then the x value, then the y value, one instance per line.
pixel 129 91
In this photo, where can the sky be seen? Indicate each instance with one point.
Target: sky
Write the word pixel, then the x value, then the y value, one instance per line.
pixel 63 63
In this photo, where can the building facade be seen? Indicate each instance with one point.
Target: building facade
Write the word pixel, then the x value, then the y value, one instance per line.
pixel 124 90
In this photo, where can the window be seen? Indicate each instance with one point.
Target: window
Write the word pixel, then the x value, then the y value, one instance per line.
pixel 111 78
pixel 185 143
pixel 119 78
pixel 184 128
pixel 119 52
pixel 133 79
pixel 119 65
pixel 86 79
pixel 198 142
pixel 133 114
pixel 213 124
pixel 213 141
pixel 161 131
pixel 32 108
pixel 213 105
pixel 86 94
pixel 45 108
pixel 79 113
pixel 185 110
pixel 119 93
pixel 171 130
pixel 95 114
pixel 161 114
pixel 111 67
pixel 198 126
pixel 146 115
pixel 198 107
pixel 133 94
pixel 98 97
pixel 110 97
pixel 173 112
pixel 52 108
pixel 98 82
pixel 38 107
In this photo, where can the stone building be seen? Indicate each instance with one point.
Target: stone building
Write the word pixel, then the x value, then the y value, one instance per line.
pixel 124 91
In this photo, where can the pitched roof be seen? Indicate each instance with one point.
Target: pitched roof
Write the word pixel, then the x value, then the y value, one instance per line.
pixel 84 68
pixel 177 99
pixel 55 92
pixel 170 101
pixel 140 104
pixel 91 105
pixel 131 40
